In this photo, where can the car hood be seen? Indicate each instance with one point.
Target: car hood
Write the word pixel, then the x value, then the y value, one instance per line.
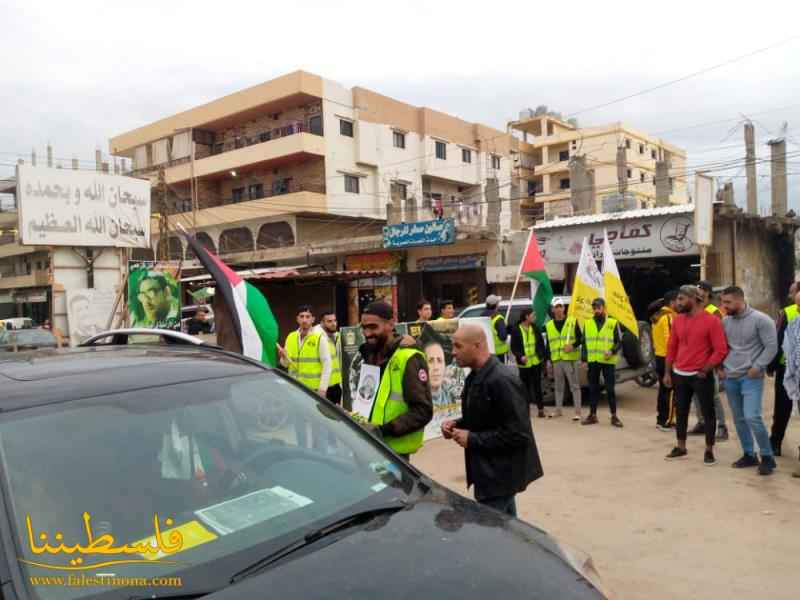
pixel 444 546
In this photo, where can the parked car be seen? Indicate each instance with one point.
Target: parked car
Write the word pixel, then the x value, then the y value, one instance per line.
pixel 170 451
pixel 637 352
pixel 18 340
pixel 17 323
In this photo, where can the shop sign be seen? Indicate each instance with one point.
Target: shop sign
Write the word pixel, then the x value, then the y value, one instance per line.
pixel 451 263
pixel 423 233
pixel 645 237
pixel 30 297
pixel 381 261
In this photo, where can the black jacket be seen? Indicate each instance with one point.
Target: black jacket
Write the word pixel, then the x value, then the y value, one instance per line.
pixel 501 456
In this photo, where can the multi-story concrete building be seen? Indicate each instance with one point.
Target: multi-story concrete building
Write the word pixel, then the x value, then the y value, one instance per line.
pixel 571 170
pixel 301 170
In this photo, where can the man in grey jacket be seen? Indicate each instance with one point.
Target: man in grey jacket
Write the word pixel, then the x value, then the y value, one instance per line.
pixel 752 344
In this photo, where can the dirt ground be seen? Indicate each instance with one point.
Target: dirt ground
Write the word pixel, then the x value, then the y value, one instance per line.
pixel 658 530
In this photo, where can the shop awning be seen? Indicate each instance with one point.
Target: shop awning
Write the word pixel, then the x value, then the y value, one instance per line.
pixel 642 213
pixel 294 274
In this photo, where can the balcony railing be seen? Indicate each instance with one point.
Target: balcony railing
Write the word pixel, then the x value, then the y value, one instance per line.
pixel 265 136
pixel 287 188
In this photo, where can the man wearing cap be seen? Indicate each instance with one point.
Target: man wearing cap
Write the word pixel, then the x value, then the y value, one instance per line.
pixel 499 328
pixel 603 340
pixel 564 341
pixel 403 405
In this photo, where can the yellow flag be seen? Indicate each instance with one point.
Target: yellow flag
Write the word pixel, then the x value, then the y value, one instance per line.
pixel 617 301
pixel 588 286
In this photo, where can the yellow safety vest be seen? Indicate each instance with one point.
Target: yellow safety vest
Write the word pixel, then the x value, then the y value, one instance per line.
pixel 336 365
pixel 500 346
pixel 529 343
pixel 791 314
pixel 305 365
pixel 556 340
pixel 600 342
pixel 390 402
pixel 711 309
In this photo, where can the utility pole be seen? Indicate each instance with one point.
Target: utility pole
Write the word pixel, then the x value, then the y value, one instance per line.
pixel 750 165
pixel 49 156
pixel 163 225
pixel 778 179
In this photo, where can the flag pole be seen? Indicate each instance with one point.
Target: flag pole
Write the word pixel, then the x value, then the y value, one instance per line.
pixel 519 274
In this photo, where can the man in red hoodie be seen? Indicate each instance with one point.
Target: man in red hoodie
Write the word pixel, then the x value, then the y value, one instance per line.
pixel 697 346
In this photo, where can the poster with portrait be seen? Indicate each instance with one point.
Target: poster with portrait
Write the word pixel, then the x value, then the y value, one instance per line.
pixel 352 338
pixel 88 313
pixel 368 380
pixel 154 299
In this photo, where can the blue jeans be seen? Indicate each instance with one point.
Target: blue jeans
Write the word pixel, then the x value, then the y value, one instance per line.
pixel 744 396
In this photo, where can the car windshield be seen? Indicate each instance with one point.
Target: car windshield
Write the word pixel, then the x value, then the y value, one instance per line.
pixel 27 337
pixel 193 481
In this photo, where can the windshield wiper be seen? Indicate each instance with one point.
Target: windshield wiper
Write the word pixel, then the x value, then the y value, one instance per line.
pixel 175 596
pixel 316 535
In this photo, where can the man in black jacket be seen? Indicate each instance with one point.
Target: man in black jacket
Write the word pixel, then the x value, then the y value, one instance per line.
pixel 495 430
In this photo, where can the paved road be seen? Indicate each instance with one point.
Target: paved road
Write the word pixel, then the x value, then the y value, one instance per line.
pixel 658 530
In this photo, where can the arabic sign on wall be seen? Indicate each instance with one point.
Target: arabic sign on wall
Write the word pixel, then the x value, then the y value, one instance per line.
pixel 380 261
pixel 648 237
pixel 451 263
pixel 423 233
pixel 60 207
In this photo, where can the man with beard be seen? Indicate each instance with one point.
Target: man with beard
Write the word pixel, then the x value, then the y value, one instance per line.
pixel 403 405
pixel 329 327
pixel 696 347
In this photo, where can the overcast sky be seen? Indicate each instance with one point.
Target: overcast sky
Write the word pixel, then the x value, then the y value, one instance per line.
pixel 76 73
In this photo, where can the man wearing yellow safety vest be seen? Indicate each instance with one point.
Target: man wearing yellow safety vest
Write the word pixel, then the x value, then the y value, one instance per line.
pixel 564 342
pixel 403 405
pixel 329 327
pixel 783 403
pixel 498 326
pixel 527 346
pixel 447 310
pixel 603 340
pixel 704 298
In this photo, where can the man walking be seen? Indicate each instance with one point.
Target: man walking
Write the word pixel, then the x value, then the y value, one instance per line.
pixel 527 347
pixel 662 324
pixel 696 347
pixel 603 343
pixel 495 430
pixel 752 344
pixel 783 404
pixel 403 405
pixel 704 298
pixel 498 326
pixel 564 341
pixel 330 328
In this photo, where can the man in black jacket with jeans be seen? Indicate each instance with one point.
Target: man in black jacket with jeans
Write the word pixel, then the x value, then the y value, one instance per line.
pixel 495 430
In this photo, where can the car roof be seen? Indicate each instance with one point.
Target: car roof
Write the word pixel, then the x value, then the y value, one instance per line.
pixel 49 375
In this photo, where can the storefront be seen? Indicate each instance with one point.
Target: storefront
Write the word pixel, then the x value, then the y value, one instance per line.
pixel 654 248
pixel 363 291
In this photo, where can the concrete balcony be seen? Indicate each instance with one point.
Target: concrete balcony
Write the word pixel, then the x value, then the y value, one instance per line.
pixel 261 154
pixel 37 278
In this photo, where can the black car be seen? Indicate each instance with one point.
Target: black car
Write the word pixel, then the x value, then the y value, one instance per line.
pixel 179 469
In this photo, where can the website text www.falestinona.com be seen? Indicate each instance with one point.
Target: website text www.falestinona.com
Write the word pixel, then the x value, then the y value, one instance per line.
pixel 105 581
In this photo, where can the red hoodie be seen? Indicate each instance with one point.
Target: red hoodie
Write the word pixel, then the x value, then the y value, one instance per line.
pixel 696 341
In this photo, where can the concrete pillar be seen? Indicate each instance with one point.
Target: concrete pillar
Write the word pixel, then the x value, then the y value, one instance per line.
pixel 750 162
pixel 74 164
pixel 778 161
pixel 662 183
pixel 493 204
pixel 394 212
pixel 581 186
pixel 33 157
pixel 49 156
pixel 411 210
pixel 98 160
pixel 622 170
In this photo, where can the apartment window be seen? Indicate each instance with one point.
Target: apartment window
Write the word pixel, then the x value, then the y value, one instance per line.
pixel 532 189
pixel 238 142
pixel 641 176
pixel 238 194
pixel 641 148
pixel 184 205
pixel 399 191
pixel 441 150
pixel 495 162
pixel 219 148
pixel 315 125
pixel 255 191
pixel 653 154
pixel 346 127
pixel 630 173
pixel 563 155
pixel 627 143
pixel 264 137
pixel 671 181
pixel 399 139
pixel 466 155
pixel 351 184
pixel 564 184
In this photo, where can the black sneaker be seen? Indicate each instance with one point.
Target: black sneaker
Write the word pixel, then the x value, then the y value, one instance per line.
pixel 747 460
pixel 699 429
pixel 676 454
pixel 767 465
pixel 722 433
pixel 590 420
pixel 615 421
pixel 708 458
pixel 776 449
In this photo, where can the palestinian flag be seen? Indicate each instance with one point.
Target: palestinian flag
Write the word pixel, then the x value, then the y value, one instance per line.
pixel 533 268
pixel 251 315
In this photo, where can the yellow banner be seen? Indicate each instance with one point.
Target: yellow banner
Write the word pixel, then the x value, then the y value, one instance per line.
pixel 618 305
pixel 588 286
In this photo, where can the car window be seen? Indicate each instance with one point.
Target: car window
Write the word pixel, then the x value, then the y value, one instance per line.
pixel 240 466
pixel 33 337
